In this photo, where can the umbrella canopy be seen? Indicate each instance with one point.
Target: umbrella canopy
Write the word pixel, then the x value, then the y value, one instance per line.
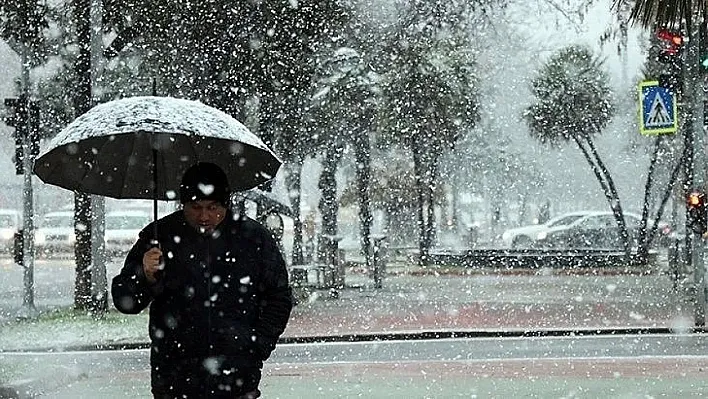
pixel 140 147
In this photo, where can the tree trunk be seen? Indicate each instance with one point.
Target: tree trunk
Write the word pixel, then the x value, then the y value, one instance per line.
pixel 363 172
pixel 664 199
pixel 420 206
pixel 267 119
pixel 266 132
pixel 82 251
pixel 99 277
pixel 455 204
pixel 294 185
pixel 596 171
pixel 643 249
pixel 82 201
pixel 430 187
pixel 615 205
pixel 605 189
pixel 329 206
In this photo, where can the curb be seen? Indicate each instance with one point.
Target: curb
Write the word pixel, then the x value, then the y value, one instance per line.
pixel 462 271
pixel 619 271
pixel 408 336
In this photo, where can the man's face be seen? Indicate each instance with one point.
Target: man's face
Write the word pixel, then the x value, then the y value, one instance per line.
pixel 204 215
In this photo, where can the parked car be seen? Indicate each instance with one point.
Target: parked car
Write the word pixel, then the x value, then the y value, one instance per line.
pixel 526 236
pixel 55 233
pixel 10 223
pixel 122 229
pixel 596 230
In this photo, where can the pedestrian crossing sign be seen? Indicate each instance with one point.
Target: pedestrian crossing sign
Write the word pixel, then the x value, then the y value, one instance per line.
pixel 658 109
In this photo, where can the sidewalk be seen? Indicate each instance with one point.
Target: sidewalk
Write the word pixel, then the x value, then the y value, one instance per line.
pixel 415 299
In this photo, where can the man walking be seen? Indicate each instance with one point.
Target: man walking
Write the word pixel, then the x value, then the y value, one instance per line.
pixel 217 289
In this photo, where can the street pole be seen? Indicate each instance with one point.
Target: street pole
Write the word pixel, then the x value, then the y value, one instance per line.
pixel 99 278
pixel 694 97
pixel 82 201
pixel 25 128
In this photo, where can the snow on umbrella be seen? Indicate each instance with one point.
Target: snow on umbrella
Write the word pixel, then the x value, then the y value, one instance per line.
pixel 139 147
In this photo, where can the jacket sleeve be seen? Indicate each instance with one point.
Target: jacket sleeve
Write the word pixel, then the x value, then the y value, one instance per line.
pixel 130 289
pixel 275 298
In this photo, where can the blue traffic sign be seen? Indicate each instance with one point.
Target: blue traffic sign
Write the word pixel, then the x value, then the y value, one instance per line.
pixel 658 109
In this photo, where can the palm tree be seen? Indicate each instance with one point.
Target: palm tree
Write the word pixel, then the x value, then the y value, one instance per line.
pixel 574 103
pixel 661 12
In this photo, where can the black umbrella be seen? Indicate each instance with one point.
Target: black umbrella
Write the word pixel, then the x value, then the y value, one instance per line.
pixel 139 147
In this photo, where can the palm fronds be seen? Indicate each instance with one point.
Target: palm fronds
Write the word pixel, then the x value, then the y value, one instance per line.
pixel 666 13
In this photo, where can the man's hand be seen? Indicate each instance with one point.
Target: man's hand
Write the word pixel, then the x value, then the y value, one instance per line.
pixel 152 264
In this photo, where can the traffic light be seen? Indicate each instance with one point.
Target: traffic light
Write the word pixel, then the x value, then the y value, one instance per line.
pixel 672 47
pixel 696 218
pixel 23 115
pixel 10 115
pixel 16 116
pixel 671 53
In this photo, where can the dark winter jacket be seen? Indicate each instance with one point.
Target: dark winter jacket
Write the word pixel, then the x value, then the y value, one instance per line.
pixel 223 295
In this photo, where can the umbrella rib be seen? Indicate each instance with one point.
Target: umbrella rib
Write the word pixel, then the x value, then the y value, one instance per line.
pixel 80 181
pixel 194 149
pixel 128 169
pixel 161 176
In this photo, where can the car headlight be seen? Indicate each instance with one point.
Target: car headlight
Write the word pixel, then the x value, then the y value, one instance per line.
pixel 7 234
pixel 39 238
pixel 542 235
pixel 506 236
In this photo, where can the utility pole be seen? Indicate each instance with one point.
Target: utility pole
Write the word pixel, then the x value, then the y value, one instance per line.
pixel 26 129
pixel 696 178
pixel 82 201
pixel 99 279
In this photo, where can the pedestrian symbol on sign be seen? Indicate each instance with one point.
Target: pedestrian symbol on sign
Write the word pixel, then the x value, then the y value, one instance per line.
pixel 657 112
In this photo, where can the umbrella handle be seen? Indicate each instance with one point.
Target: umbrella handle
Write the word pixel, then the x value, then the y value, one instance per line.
pixel 154 192
pixel 156 244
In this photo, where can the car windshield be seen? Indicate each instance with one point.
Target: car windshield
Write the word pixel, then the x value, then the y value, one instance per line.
pixel 566 220
pixel 126 222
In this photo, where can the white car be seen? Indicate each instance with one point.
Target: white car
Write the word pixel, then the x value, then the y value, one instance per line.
pixel 597 230
pixel 55 233
pixel 527 236
pixel 10 223
pixel 122 229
